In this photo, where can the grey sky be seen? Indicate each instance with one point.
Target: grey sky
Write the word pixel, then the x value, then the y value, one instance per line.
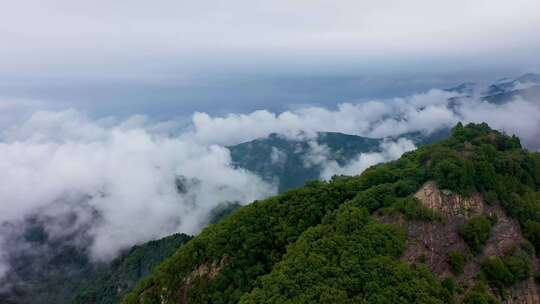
pixel 168 56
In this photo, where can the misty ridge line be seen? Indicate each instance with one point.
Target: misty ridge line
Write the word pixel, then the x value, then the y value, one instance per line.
pixel 118 178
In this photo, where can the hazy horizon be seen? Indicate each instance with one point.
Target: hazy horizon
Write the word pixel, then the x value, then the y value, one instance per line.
pixel 174 58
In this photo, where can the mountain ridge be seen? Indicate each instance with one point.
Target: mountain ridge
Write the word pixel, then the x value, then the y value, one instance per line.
pixel 256 254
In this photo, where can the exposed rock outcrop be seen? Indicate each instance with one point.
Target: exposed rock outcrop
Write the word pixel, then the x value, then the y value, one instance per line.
pixel 449 204
pixel 206 271
pixel 526 292
pixel 431 242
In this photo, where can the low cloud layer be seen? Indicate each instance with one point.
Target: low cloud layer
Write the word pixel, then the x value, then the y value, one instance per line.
pixel 520 117
pixel 134 180
pixel 426 113
pixel 128 174
pixel 320 155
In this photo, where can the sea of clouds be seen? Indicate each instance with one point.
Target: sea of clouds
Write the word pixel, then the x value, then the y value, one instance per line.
pixel 120 177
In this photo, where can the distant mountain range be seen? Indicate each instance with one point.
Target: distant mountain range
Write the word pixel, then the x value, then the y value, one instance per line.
pixel 286 162
pixel 503 90
pixel 281 160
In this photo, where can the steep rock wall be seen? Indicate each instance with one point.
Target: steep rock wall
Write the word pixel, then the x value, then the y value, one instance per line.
pixel 431 242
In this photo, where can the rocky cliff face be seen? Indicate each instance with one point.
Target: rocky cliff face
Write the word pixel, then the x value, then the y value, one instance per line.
pixel 208 270
pixel 431 242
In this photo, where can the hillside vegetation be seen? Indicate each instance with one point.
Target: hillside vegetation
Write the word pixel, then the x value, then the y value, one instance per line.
pixel 113 281
pixel 325 242
pixel 288 162
pixel 282 160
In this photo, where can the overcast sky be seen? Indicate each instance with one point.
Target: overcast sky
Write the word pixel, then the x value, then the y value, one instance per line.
pixel 173 57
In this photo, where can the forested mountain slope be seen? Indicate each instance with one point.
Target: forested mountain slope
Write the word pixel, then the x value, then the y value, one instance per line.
pixel 69 277
pixel 284 161
pixel 112 282
pixel 362 239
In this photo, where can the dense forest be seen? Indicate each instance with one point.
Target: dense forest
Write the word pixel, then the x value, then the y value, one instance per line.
pixel 325 242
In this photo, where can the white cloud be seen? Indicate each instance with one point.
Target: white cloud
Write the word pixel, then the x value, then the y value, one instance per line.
pixel 277 156
pixel 519 117
pixel 426 113
pixel 320 155
pixel 126 174
pixel 63 126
